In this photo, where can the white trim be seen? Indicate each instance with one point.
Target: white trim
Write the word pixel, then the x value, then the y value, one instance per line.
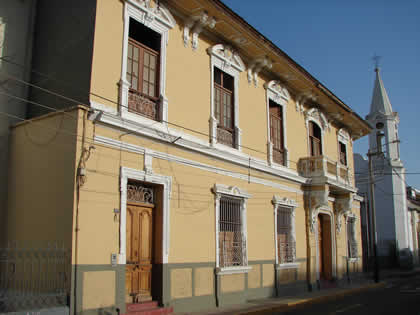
pixel 294 265
pixel 232 270
pixel 227 60
pixel 157 131
pixel 278 94
pixel 120 145
pixel 129 173
pixel 231 191
pixel 327 211
pixel 292 205
pixel 160 20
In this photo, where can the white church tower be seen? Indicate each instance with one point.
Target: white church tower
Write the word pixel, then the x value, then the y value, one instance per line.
pixel 392 218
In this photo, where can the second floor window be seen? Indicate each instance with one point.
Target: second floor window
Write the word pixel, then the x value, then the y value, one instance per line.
pixel 224 106
pixel 343 153
pixel 143 58
pixel 276 132
pixel 315 146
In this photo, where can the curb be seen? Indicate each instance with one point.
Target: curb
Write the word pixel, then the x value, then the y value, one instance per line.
pixel 309 300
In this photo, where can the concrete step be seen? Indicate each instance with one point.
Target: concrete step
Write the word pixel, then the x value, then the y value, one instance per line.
pixel 134 307
pixel 147 308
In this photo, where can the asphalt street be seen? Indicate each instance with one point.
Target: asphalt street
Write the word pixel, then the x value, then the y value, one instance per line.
pixel 399 296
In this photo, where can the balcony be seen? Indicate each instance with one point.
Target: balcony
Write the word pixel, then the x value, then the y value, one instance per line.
pixel 321 169
pixel 143 105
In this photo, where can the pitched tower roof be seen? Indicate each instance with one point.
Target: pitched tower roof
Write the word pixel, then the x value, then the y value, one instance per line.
pixel 380 100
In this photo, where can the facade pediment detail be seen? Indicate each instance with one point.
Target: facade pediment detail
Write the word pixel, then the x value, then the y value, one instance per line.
pixel 228 55
pixel 152 11
pixel 318 116
pixel 277 91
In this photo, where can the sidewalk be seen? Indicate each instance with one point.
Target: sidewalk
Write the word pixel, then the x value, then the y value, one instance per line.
pixel 282 303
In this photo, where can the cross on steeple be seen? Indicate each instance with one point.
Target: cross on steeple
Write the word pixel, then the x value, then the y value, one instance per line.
pixel 376 60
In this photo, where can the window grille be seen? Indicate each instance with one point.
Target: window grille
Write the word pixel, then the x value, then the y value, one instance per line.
pixel 231 241
pixel 351 238
pixel 286 245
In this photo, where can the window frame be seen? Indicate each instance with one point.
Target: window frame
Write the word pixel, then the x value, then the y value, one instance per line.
pixel 312 138
pixel 220 191
pixel 290 204
pixel 343 137
pixel 316 116
pixel 280 96
pixel 161 21
pixel 351 219
pixel 226 59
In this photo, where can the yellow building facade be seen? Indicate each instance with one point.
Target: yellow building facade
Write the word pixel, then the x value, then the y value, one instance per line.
pixel 207 168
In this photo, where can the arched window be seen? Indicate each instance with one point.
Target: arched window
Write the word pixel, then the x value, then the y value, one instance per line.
pixel 315 146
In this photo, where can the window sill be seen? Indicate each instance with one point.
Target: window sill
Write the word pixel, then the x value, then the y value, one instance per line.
pixel 288 266
pixel 232 270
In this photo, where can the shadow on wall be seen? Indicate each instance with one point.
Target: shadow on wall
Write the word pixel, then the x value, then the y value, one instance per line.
pixel 406 259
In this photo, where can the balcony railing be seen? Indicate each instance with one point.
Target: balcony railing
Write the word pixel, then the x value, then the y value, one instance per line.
pixel 142 105
pixel 322 166
pixel 225 136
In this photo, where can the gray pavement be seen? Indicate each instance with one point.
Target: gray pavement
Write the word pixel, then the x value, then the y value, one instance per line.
pixel 398 292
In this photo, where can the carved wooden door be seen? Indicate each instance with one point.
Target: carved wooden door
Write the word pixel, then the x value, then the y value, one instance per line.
pixel 139 253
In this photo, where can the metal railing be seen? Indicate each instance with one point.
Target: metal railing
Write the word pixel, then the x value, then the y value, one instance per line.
pixel 33 278
pixel 286 251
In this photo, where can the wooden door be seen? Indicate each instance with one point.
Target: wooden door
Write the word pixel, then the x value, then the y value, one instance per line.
pixel 139 253
pixel 320 248
pixel 324 247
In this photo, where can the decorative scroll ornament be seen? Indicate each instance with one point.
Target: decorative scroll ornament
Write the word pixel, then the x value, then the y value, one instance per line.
pixel 318 116
pixel 195 26
pixel 256 67
pixel 139 193
pixel 277 92
pixel 317 199
pixel 342 207
pixel 228 56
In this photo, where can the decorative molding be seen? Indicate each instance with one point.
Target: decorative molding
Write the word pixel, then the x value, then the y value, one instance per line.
pixel 343 135
pixel 226 59
pixel 129 173
pixel 284 202
pixel 343 207
pixel 230 190
pixel 160 20
pixel 316 115
pixel 195 26
pixel 159 132
pixel 164 156
pixel 317 199
pixel 255 68
pixel 148 161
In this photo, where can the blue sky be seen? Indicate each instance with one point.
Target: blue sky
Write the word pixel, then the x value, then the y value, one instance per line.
pixel 336 40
